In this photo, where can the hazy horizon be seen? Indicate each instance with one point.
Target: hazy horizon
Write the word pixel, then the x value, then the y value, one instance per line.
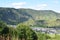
pixel 32 4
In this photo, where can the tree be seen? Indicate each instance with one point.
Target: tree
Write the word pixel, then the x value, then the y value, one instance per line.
pixel 5 32
pixel 34 36
pixel 25 33
pixel 2 26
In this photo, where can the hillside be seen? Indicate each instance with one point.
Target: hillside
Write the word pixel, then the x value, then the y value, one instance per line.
pixel 15 16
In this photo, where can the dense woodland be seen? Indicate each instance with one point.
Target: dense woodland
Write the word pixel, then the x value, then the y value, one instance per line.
pixel 14 16
pixel 24 19
pixel 21 32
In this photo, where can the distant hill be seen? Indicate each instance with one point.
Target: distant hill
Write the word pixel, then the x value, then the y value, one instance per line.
pixel 15 16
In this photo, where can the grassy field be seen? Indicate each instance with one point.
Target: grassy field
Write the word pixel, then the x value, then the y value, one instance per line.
pixel 42 36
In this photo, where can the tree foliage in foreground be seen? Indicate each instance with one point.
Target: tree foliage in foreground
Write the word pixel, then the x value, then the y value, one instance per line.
pixel 21 32
pixel 26 33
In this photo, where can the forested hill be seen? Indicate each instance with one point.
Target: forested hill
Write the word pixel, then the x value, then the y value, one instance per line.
pixel 15 16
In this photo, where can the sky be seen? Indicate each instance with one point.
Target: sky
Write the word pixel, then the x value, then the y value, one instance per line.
pixel 32 4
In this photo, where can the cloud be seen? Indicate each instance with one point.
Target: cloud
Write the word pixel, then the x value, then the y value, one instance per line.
pixel 58 11
pixel 39 7
pixel 18 4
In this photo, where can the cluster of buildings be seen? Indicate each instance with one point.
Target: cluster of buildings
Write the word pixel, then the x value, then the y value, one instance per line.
pixel 47 30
